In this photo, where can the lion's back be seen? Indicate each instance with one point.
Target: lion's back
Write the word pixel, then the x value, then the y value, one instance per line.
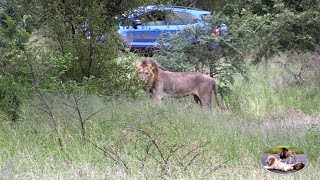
pixel 184 82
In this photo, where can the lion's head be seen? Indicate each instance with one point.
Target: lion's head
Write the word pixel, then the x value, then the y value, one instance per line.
pixel 147 71
pixel 282 151
pixel 298 166
pixel 270 160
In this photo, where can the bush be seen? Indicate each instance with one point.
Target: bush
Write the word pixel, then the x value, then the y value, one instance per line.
pixel 195 49
pixel 12 94
pixel 120 79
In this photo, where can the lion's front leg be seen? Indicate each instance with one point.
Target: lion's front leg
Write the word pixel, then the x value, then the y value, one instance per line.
pixel 156 96
pixel 268 167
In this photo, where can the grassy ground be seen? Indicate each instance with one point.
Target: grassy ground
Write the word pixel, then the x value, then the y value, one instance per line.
pixel 139 139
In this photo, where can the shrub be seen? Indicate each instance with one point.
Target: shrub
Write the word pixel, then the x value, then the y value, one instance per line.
pixel 195 49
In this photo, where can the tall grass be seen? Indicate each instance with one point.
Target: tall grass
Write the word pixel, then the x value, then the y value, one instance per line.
pixel 140 139
pixel 273 91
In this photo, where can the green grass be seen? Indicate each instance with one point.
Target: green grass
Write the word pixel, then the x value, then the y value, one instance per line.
pixel 273 93
pixel 274 150
pixel 140 139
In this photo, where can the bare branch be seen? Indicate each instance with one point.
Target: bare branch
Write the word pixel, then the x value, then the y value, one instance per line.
pixel 195 149
pixel 155 144
pixel 69 105
pixel 93 114
pixel 110 154
pixel 48 109
pixel 216 167
pixel 194 157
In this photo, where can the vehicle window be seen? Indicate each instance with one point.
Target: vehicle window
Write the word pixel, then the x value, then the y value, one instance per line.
pixel 153 18
pixel 180 18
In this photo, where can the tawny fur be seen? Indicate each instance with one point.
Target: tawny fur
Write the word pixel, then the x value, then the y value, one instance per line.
pixel 298 166
pixel 274 163
pixel 161 83
pixel 286 154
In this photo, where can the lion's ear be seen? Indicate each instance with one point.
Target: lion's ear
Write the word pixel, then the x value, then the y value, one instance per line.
pixel 272 160
pixel 268 162
pixel 150 67
pixel 153 66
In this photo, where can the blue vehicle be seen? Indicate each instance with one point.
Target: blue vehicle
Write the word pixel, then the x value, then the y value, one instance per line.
pixel 141 28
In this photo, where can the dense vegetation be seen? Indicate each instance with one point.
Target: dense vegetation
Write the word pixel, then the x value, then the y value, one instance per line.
pixel 71 106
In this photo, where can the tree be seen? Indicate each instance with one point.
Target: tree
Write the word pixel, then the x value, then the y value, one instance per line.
pixel 276 26
pixel 13 36
pixel 86 31
pixel 197 49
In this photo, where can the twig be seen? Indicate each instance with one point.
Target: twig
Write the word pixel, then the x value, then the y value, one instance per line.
pixel 76 106
pixel 193 150
pixel 217 167
pixel 155 144
pixel 110 154
pixel 47 107
pixel 194 157
pixel 93 114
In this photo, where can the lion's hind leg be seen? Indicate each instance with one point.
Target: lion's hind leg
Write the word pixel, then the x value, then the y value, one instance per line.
pixel 206 100
pixel 197 99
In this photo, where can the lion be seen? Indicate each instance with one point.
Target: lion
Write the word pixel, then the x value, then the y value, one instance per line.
pixel 286 154
pixel 162 83
pixel 274 163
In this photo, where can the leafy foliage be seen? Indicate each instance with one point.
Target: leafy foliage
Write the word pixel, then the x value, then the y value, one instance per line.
pixel 13 83
pixel 61 44
pixel 195 49
pixel 46 51
pixel 276 26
